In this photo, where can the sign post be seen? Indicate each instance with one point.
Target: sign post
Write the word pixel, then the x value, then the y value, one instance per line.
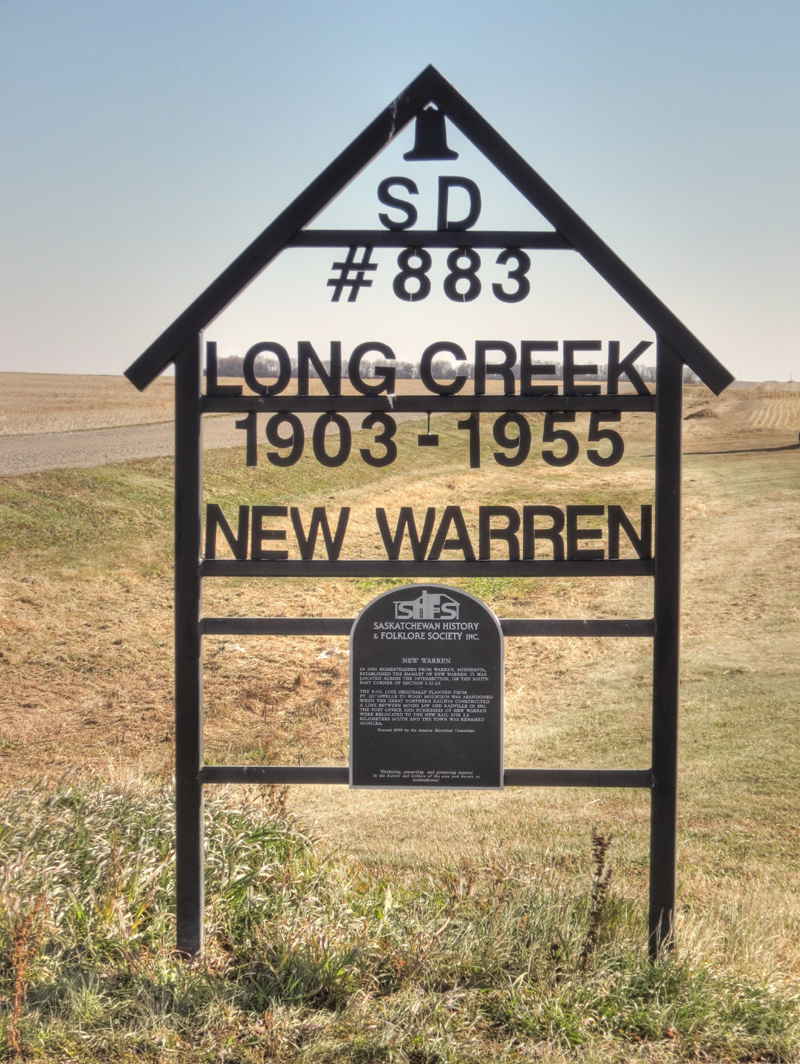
pixel 188 651
pixel 427 712
pixel 666 645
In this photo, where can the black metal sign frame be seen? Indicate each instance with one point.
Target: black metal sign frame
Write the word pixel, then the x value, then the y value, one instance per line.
pixel 181 343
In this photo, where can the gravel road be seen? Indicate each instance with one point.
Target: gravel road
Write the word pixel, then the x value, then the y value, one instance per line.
pixel 94 447
pixel 35 452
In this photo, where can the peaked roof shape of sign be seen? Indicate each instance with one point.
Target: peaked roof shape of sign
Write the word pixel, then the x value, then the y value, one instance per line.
pixel 428 87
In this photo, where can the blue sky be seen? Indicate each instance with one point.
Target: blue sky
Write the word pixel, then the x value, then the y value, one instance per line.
pixel 145 144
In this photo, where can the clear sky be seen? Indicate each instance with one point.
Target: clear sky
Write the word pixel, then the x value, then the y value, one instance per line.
pixel 145 144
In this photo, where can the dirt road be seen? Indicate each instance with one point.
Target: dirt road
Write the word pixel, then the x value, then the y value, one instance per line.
pixel 38 451
pixel 35 452
pixel 51 421
pixel 69 421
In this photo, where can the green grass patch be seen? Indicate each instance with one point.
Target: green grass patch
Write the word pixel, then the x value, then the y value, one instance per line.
pixel 312 957
pixel 81 516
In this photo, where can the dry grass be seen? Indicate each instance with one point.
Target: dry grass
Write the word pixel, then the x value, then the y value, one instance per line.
pixel 316 959
pixel 86 677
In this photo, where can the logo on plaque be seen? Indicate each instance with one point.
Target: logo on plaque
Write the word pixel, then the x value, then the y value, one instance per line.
pixel 426 692
pixel 428 606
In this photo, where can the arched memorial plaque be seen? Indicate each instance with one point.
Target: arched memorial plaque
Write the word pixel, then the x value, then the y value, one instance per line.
pixel 426 691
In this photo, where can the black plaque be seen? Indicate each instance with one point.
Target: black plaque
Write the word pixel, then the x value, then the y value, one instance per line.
pixel 426 691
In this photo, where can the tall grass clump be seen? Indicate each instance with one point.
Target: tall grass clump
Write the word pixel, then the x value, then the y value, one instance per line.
pixel 312 957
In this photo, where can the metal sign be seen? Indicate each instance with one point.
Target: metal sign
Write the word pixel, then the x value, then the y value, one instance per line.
pixel 426 691
pixel 545 375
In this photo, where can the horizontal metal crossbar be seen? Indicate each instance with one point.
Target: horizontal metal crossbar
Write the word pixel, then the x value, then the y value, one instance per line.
pixel 273 774
pixel 513 627
pixel 358 567
pixel 578 777
pixel 522 626
pixel 276 625
pixel 512 777
pixel 427 238
pixel 424 404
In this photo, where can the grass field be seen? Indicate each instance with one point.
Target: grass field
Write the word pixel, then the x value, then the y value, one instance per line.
pixel 385 926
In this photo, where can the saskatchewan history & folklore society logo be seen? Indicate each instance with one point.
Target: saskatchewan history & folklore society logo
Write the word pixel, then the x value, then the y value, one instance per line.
pixel 429 607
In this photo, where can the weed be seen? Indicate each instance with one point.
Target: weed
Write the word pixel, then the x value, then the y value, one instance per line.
pixel 599 895
pixel 275 798
pixel 26 938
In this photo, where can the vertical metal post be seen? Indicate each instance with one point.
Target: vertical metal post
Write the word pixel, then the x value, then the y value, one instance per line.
pixel 666 646
pixel 188 651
